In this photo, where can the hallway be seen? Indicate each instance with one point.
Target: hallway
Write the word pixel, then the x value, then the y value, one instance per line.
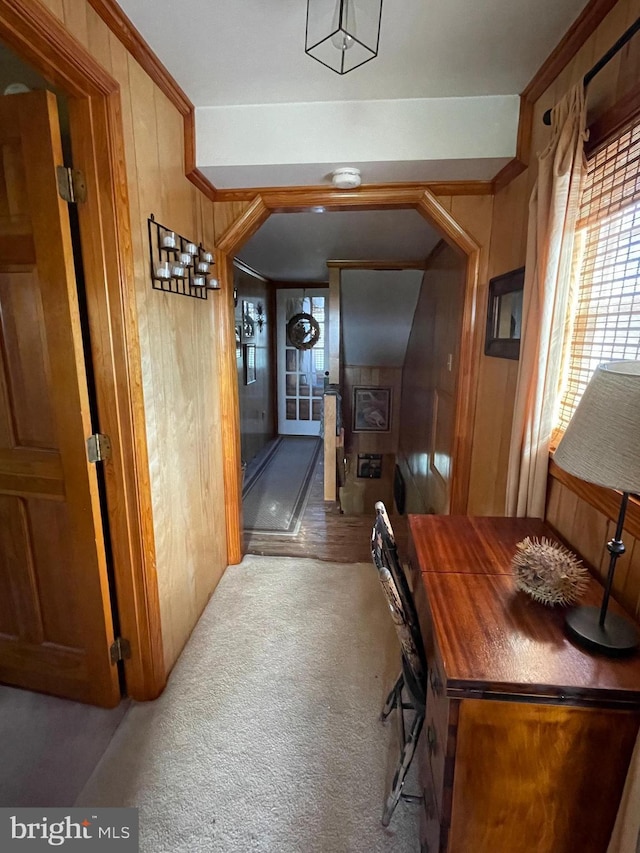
pixel 325 533
pixel 268 735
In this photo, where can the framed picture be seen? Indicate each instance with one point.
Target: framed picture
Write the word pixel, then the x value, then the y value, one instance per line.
pixel 504 315
pixel 249 363
pixel 238 341
pixel 371 409
pixel 248 320
pixel 370 466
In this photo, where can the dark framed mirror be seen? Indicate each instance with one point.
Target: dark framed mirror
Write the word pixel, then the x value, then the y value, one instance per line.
pixel 504 315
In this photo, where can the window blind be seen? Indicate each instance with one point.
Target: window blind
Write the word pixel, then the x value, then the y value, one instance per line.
pixel 606 321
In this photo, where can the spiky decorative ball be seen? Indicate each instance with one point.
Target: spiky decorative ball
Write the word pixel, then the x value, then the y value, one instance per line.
pixel 548 572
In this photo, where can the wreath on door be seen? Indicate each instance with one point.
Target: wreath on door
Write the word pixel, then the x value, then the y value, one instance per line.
pixel 303 331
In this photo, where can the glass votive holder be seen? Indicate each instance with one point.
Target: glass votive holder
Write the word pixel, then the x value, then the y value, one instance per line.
pixel 168 239
pixel 207 257
pixel 213 284
pixel 185 259
pixel 191 248
pixel 163 272
pixel 202 267
pixel 178 271
pixel 198 281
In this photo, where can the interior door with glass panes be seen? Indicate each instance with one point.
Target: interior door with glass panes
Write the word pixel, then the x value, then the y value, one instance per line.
pixel 301 368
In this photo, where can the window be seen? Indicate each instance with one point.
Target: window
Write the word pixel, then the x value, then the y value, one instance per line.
pixel 606 317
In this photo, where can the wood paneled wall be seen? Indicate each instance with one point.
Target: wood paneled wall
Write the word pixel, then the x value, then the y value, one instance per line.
pixel 587 530
pixel 371 377
pixel 429 381
pixel 498 377
pixel 476 214
pixel 177 338
pixel 257 400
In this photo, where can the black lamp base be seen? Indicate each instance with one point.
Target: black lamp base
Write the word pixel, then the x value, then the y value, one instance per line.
pixel 618 636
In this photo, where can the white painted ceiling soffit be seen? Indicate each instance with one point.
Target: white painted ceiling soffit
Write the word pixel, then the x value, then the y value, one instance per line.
pixel 394 140
pixel 440 102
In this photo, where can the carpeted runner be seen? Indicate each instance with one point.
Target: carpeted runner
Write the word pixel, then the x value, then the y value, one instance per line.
pixel 274 500
pixel 267 737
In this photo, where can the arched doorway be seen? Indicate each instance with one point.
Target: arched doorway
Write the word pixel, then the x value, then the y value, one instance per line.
pixel 291 201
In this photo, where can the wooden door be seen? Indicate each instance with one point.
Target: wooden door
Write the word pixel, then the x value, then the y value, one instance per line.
pixel 56 625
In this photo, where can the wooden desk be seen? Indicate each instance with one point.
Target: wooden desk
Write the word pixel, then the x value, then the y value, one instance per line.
pixel 527 737
pixel 460 543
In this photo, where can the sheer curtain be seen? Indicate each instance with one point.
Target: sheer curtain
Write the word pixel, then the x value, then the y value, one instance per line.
pixel 553 212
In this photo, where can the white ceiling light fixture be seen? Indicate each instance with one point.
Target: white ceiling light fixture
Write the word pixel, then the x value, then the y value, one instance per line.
pixel 347 178
pixel 343 34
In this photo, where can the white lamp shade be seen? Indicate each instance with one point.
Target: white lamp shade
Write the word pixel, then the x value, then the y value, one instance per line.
pixel 602 442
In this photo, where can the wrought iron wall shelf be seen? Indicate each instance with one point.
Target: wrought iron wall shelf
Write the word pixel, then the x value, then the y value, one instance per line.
pixel 177 264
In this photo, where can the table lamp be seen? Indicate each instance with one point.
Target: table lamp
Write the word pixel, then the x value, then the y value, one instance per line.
pixel 602 445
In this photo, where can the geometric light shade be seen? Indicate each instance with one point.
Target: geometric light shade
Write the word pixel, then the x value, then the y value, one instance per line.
pixel 343 34
pixel 602 441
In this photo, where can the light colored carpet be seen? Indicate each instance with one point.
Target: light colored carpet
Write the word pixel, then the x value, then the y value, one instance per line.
pixel 267 737
pixel 275 500
pixel 49 747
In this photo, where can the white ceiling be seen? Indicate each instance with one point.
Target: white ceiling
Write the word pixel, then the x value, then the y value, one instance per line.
pixel 377 315
pixel 446 77
pixel 252 51
pixel 440 102
pixel 296 246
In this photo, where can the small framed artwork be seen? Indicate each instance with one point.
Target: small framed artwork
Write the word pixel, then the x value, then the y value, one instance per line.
pixel 249 363
pixel 248 320
pixel 504 315
pixel 238 341
pixel 370 466
pixel 371 409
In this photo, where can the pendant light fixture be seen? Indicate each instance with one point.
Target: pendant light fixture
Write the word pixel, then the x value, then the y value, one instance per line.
pixel 343 34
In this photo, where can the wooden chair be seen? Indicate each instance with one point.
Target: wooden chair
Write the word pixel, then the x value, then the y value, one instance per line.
pixel 409 691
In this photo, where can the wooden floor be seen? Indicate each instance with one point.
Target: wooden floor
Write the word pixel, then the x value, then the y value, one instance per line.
pixel 325 533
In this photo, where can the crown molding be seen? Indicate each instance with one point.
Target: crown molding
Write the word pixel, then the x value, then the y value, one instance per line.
pixel 385 264
pixel 438 188
pixel 126 32
pixel 582 28
pixel 245 268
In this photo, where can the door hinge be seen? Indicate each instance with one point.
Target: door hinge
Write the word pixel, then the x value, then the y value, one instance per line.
pixel 72 186
pixel 120 650
pixel 98 447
